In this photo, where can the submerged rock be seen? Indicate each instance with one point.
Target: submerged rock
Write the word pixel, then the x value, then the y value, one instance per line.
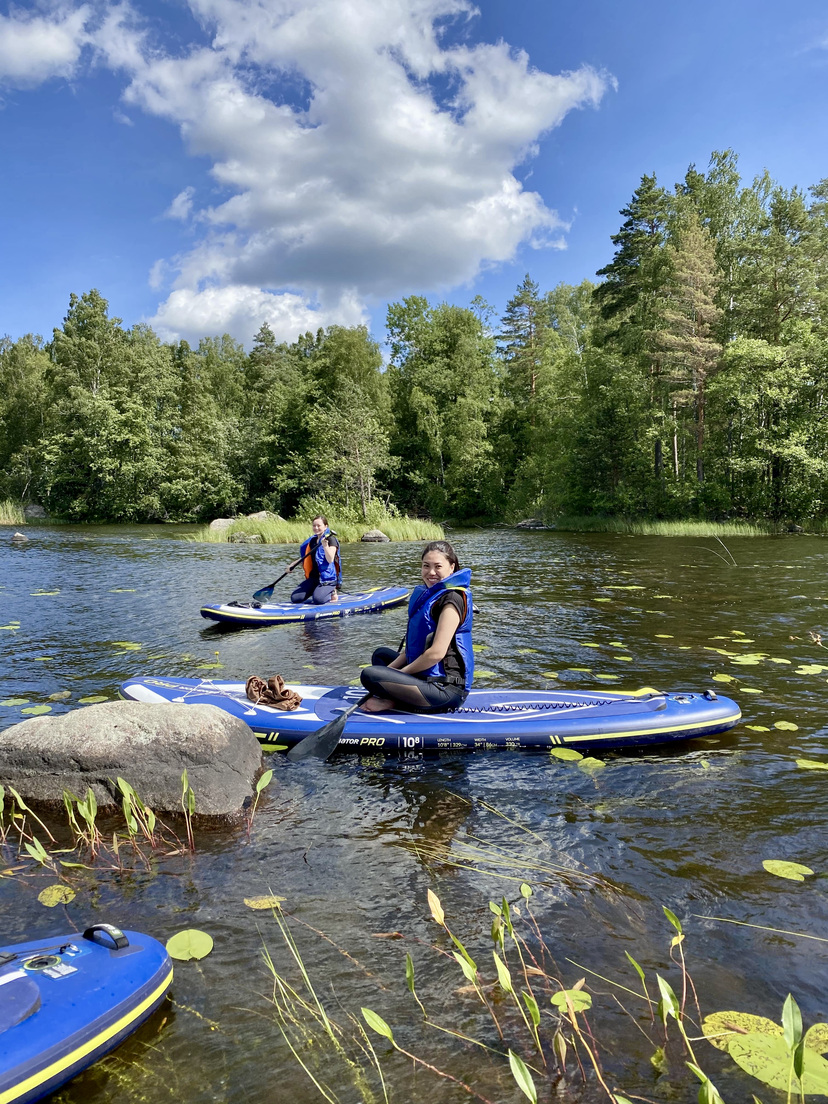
pixel 148 745
pixel 375 535
pixel 19 538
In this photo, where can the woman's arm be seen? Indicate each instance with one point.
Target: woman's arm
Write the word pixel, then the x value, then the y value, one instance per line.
pixel 447 625
pixel 330 550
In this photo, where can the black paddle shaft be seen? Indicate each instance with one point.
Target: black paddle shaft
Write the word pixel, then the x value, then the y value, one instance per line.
pixel 323 743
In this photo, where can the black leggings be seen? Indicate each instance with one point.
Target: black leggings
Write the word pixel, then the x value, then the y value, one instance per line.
pixel 409 692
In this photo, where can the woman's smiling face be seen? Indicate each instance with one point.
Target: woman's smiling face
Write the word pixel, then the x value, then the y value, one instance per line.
pixel 436 567
pixel 318 526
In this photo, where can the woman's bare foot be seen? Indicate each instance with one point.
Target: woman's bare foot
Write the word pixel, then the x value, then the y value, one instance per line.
pixel 377 705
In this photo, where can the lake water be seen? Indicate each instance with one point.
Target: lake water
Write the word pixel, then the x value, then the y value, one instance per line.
pixel 354 845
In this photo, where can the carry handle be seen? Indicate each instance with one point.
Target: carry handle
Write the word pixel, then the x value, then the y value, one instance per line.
pixel 115 934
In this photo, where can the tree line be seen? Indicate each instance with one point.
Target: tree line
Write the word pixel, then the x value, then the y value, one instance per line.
pixel 690 381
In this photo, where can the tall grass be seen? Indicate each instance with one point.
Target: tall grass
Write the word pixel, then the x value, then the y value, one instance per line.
pixel 294 532
pixel 11 512
pixel 644 527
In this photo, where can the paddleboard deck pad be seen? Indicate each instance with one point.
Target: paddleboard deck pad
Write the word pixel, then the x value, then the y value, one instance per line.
pixel 283 613
pixel 487 719
pixel 67 1001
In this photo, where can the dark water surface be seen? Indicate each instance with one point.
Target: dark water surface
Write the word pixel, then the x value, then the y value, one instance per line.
pixel 350 844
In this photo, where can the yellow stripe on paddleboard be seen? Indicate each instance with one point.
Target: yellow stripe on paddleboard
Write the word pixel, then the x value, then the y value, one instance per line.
pixel 734 717
pixel 74 1056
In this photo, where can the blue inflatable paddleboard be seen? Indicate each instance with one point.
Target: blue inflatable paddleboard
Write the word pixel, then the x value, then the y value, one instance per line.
pixel 67 1001
pixel 599 719
pixel 282 613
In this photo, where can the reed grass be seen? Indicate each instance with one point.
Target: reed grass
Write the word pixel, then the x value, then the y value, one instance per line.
pixel 643 527
pixel 11 512
pixel 294 532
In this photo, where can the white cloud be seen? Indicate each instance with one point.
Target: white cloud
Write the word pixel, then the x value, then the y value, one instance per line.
pixel 34 48
pixel 181 206
pixel 240 311
pixel 358 151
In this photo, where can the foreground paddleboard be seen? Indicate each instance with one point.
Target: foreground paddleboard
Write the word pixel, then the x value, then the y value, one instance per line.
pixel 282 613
pixel 487 719
pixel 67 1001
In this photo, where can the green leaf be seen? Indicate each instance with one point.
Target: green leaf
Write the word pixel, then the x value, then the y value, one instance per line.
pixel 786 726
pixel 723 678
pixel 768 1058
pixel 674 920
pixel 522 1076
pixel 811 764
pixel 580 999
pixel 669 999
pixel 589 763
pixel 795 872
pixel 569 754
pixel 56 894
pixel 791 1022
pixel 15 701
pixel 189 944
pixel 531 1007
pixel 525 890
pixel 468 969
pixel 637 968
pixel 409 972
pixel 503 976
pixel 436 908
pixel 94 699
pixel 264 781
pixel 377 1023
pixel 37 710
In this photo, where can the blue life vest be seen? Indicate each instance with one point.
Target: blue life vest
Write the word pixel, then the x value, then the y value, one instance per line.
pixel 330 574
pixel 421 623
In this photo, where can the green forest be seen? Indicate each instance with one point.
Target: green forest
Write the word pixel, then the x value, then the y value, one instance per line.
pixel 689 381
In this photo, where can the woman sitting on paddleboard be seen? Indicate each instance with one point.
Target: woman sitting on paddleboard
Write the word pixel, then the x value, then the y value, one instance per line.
pixel 320 559
pixel 435 668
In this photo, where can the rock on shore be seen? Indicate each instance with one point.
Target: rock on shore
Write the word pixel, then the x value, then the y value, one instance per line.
pixel 147 745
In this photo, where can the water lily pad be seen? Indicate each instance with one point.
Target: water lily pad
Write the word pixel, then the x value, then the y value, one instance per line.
pixel 527 651
pixel 786 726
pixel 584 644
pixel 480 647
pixel 544 674
pixel 623 659
pixel 36 710
pixel 721 1027
pixel 793 871
pixel 579 999
pixel 590 764
pixel 569 754
pixel 208 666
pixel 127 645
pixel 122 590
pixel 811 764
pixel 758 728
pixel 663 636
pixel 308 667
pixel 750 690
pixel 608 678
pixel 669 596
pixel 767 1058
pixel 484 674
pixel 773 659
pixel 13 628
pixel 723 678
pixel 44 593
pixel 43 659
pixel 602 599
pixel 269 901
pixel 624 588
pixel 15 701
pixel 56 894
pixel 616 644
pixel 93 699
pixel 810 669
pixel 581 670
pixel 188 944
pixel 747 661
pixel 61 695
pixel 744 640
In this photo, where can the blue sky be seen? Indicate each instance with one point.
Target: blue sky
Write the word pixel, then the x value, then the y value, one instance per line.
pixel 212 164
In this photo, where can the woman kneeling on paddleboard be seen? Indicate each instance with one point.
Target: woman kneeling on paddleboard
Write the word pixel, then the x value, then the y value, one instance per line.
pixel 320 560
pixel 435 668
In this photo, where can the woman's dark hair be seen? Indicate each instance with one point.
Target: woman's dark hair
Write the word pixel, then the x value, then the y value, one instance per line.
pixel 446 549
pixel 320 517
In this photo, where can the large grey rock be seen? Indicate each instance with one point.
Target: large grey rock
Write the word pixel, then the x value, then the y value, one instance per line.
pixel 533 523
pixel 375 536
pixel 33 512
pixel 222 523
pixel 19 538
pixel 148 745
pixel 264 515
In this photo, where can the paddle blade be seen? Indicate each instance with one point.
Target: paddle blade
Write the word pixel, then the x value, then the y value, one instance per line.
pixel 265 593
pixel 323 743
